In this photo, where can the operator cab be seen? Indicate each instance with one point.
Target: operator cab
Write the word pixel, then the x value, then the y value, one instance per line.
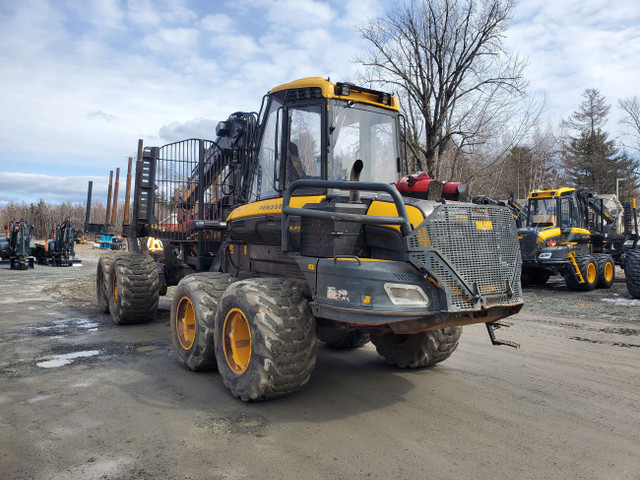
pixel 315 129
pixel 553 208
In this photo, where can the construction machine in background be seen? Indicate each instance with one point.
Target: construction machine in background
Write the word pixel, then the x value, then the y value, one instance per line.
pixel 518 211
pixel 570 232
pixel 288 228
pixel 18 246
pixel 59 251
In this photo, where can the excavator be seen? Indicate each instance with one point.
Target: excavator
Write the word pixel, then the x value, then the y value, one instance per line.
pixel 18 247
pixel 59 250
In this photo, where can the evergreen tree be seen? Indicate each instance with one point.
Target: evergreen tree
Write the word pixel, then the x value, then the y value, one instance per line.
pixel 590 159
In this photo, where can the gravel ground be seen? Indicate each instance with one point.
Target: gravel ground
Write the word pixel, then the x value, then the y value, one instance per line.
pixel 82 398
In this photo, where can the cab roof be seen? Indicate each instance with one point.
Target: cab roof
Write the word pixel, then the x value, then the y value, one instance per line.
pixel 559 192
pixel 334 90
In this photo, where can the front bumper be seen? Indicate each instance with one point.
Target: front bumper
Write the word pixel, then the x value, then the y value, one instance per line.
pixel 552 258
pixel 357 291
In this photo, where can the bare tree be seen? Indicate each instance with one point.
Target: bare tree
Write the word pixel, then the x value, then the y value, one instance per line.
pixel 528 166
pixel 446 61
pixel 631 107
pixel 44 216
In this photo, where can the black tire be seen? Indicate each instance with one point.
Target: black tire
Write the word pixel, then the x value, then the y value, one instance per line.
pixel 534 276
pixel 103 273
pixel 265 339
pixel 589 270
pixel 632 273
pixel 134 287
pixel 341 339
pixel 526 277
pixel 541 277
pixel 606 270
pixel 193 337
pixel 417 350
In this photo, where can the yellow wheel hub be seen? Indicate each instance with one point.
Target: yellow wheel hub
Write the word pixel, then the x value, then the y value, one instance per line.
pixel 186 323
pixel 236 337
pixel 115 289
pixel 592 273
pixel 608 271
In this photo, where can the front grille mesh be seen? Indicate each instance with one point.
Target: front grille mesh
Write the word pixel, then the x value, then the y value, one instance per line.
pixel 480 244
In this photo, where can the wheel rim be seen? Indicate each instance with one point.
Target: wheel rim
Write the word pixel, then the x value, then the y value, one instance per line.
pixel 236 336
pixel 608 271
pixel 592 273
pixel 186 323
pixel 101 283
pixel 115 288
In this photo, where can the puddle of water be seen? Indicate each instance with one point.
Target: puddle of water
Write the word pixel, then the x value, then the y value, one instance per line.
pixel 80 323
pixel 66 359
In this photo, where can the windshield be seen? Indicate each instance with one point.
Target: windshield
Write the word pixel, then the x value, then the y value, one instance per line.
pixel 542 212
pixel 363 142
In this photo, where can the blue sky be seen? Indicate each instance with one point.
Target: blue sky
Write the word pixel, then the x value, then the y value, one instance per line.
pixel 81 81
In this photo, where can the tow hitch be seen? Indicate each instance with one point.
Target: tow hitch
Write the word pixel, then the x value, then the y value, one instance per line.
pixel 494 341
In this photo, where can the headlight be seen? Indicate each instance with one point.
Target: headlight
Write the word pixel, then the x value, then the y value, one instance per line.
pixel 402 294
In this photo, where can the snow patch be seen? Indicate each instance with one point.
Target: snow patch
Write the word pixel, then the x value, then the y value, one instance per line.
pixel 66 359
pixel 622 301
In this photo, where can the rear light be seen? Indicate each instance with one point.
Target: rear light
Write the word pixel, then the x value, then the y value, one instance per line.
pixel 552 243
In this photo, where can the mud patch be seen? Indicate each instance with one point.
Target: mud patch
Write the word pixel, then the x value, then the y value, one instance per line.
pixel 588 340
pixel 76 292
pixel 234 423
pixel 600 342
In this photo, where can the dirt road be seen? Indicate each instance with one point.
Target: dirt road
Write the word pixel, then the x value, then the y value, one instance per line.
pixel 82 398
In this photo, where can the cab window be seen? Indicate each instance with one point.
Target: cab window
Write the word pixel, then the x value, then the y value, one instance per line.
pixel 304 147
pixel 269 154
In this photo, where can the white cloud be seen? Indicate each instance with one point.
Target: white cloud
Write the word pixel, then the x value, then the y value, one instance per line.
pixel 288 15
pixel 358 12
pixel 218 23
pixel 51 188
pixel 159 13
pixel 101 115
pixel 174 40
pixel 81 84
pixel 195 128
pixel 101 14
pixel 572 45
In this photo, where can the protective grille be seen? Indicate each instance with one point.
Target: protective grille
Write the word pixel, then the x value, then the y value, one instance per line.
pixel 480 244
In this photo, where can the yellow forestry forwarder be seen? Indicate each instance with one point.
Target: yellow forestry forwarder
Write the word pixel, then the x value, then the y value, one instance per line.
pixel 288 228
pixel 570 232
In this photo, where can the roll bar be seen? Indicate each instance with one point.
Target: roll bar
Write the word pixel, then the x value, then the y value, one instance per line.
pixel 402 219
